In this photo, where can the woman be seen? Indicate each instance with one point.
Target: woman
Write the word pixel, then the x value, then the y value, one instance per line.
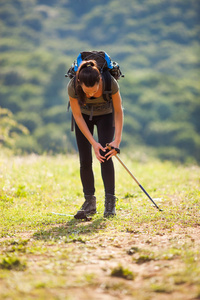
pixel 90 109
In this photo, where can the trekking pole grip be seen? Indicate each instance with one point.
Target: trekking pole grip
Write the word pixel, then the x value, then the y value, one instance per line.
pixel 111 147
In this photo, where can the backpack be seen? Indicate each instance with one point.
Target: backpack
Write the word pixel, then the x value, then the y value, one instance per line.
pixel 106 66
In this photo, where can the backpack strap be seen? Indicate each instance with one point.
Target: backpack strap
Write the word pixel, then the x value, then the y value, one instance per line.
pixel 107 91
pixel 72 117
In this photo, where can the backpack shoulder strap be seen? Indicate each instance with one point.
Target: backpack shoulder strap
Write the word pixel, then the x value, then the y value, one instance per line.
pixel 107 91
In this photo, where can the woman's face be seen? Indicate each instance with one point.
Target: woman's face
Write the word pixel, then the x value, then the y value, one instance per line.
pixel 90 91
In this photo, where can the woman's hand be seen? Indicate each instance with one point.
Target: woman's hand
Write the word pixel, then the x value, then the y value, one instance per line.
pixel 112 152
pixel 97 147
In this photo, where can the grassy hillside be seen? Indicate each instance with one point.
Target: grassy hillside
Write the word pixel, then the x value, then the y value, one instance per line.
pixel 156 44
pixel 139 254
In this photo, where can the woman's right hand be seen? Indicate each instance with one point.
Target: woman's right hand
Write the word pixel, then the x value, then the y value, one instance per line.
pixel 97 147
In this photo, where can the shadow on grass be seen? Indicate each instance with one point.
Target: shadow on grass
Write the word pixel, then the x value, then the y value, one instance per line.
pixel 72 230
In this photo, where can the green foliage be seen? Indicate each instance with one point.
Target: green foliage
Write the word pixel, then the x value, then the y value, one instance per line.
pixel 10 129
pixel 156 44
pixel 30 120
pixel 33 22
pixel 12 263
pixel 51 138
pixel 27 144
pixel 122 272
pixel 56 114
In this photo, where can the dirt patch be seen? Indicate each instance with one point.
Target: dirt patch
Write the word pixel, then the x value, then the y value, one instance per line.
pixel 152 256
pixel 102 253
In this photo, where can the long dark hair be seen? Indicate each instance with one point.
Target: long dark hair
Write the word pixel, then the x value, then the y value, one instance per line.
pixel 88 73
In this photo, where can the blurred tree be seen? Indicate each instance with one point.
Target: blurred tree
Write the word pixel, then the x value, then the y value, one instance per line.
pixel 57 114
pixel 195 115
pixel 9 128
pixel 52 138
pixel 13 77
pixel 27 144
pixel 30 120
pixel 55 86
pixel 162 133
pixel 9 15
pixel 34 22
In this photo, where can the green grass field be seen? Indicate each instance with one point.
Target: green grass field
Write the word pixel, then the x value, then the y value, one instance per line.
pixel 139 254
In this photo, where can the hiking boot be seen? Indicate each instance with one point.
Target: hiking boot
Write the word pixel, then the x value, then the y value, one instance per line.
pixel 88 207
pixel 110 201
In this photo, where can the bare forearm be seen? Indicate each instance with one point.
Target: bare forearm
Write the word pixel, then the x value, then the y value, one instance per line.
pixel 84 129
pixel 118 126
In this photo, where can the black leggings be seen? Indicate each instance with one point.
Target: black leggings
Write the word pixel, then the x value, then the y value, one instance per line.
pixel 105 131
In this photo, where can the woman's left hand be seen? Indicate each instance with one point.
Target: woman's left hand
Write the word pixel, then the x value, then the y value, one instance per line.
pixel 112 152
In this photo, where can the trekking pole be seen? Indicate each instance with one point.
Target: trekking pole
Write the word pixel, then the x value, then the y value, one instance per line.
pixel 121 162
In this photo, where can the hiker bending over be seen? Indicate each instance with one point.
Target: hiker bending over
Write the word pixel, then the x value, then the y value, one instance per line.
pixel 89 108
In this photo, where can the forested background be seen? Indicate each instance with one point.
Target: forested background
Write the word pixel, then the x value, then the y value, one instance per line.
pixel 155 42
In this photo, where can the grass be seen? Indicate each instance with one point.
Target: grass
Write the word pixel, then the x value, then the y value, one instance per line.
pixel 12 263
pixel 122 272
pixel 139 254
